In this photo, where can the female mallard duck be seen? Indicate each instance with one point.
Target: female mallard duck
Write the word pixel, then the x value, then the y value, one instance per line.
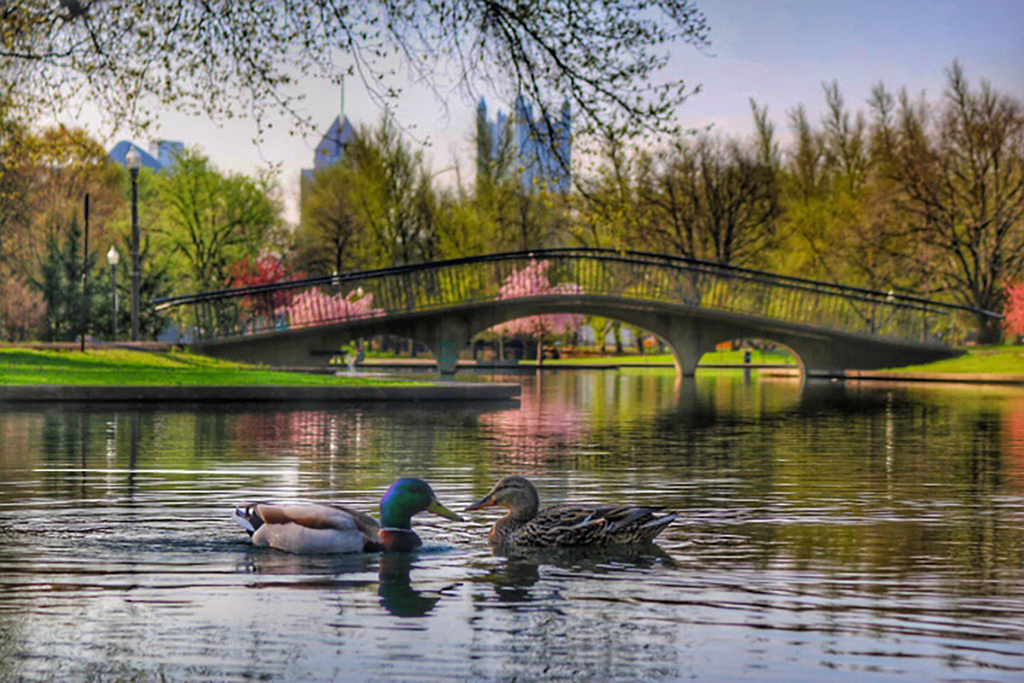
pixel 311 528
pixel 565 525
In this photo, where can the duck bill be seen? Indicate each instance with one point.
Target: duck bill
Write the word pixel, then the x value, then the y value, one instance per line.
pixel 485 502
pixel 442 511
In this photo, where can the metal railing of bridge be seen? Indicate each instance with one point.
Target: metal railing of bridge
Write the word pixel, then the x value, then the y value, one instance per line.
pixel 634 276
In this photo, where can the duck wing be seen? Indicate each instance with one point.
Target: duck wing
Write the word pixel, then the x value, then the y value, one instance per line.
pixel 562 525
pixel 314 528
pixel 569 525
pixel 364 522
pixel 307 515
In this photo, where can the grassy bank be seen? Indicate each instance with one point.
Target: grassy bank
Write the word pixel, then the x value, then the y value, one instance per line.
pixel 987 360
pixel 110 367
pixel 1008 360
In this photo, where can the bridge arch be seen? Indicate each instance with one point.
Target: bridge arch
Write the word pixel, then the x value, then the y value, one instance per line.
pixel 687 336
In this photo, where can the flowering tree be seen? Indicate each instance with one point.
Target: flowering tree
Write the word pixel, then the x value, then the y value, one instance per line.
pixel 1014 313
pixel 265 270
pixel 314 306
pixel 533 281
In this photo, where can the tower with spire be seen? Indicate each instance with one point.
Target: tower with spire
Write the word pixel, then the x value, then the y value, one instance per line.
pixel 331 148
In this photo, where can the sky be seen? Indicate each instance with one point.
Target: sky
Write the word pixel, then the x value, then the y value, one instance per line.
pixel 778 52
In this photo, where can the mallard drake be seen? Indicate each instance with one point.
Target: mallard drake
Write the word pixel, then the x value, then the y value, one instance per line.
pixel 566 525
pixel 313 528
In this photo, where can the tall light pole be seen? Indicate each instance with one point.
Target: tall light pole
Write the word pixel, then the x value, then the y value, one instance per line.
pixel 134 159
pixel 113 258
pixel 85 275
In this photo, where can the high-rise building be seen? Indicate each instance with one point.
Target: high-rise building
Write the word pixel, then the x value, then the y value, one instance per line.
pixel 331 147
pixel 537 152
pixel 166 151
pixel 162 154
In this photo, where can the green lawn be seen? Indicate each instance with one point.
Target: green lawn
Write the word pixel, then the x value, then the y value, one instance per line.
pixel 126 367
pixel 177 368
pixel 1006 360
pixel 647 359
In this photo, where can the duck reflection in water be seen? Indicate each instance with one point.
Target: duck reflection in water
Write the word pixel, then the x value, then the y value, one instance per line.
pixel 398 596
pixel 516 579
pixel 396 592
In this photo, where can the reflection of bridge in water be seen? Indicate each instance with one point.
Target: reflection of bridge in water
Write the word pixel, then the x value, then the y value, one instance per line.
pixel 691 305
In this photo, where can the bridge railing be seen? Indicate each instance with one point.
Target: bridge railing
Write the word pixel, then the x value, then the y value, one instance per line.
pixel 635 276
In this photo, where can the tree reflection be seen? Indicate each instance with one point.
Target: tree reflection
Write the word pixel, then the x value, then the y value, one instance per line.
pixel 1013 441
pixel 565 614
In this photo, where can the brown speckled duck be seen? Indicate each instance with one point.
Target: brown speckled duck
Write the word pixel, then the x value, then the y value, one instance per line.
pixel 318 529
pixel 566 525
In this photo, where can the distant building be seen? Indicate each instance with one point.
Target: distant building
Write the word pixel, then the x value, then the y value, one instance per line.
pixel 331 148
pixel 166 151
pixel 162 153
pixel 537 151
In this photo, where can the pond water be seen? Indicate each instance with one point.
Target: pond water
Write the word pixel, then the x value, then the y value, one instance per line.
pixel 854 532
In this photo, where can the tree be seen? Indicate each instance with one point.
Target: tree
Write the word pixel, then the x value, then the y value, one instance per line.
pixel 711 199
pixel 21 309
pixel 393 197
pixel 59 282
pixel 533 281
pixel 66 164
pixel 513 217
pixel 828 197
pixel 44 176
pixel 957 171
pixel 376 207
pixel 314 306
pixel 208 220
pixel 1014 313
pixel 330 238
pixel 224 58
pixel 608 213
pixel 265 270
pixel 13 177
pixel 463 227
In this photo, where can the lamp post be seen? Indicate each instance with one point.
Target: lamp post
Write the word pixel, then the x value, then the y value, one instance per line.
pixel 113 258
pixel 134 159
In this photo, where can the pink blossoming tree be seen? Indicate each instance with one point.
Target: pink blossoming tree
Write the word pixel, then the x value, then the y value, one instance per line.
pixel 314 306
pixel 533 281
pixel 1014 312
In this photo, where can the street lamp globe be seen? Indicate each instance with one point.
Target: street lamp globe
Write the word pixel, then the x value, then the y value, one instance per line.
pixel 133 159
pixel 113 256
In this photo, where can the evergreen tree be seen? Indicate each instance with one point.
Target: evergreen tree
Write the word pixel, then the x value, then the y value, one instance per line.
pixel 60 282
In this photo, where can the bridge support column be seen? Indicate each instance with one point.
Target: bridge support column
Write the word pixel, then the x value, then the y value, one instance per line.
pixel 446 339
pixel 689 342
pixel 447 354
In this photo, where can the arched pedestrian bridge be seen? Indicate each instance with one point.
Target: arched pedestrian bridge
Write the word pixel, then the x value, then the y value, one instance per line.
pixel 691 305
